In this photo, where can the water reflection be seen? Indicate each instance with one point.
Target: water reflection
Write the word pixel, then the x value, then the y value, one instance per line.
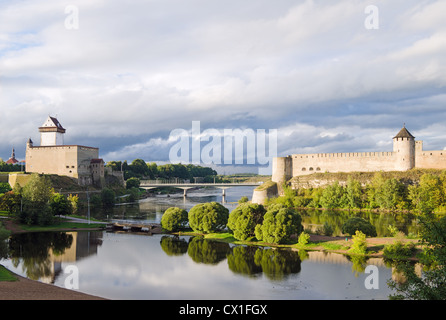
pixel 276 264
pixel 128 266
pixel 40 254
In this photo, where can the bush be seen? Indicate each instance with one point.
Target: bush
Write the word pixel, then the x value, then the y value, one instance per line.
pixel 279 223
pixel 208 217
pixel 174 219
pixel 399 251
pixel 358 224
pixel 243 220
pixel 303 238
pixel 359 243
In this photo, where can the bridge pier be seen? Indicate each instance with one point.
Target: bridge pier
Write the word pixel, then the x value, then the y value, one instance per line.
pixel 185 190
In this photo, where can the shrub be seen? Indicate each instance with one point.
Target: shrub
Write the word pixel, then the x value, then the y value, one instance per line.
pixel 174 219
pixel 208 217
pixel 399 251
pixel 358 224
pixel 279 223
pixel 359 243
pixel 243 220
pixel 303 238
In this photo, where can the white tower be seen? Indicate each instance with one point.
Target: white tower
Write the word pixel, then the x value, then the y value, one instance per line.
pixel 51 132
pixel 404 148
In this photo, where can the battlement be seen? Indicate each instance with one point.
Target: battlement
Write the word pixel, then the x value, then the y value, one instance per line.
pixel 407 154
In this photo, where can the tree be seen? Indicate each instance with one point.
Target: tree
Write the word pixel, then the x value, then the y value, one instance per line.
pixel 244 218
pixel 208 217
pixel 37 194
pixel 358 224
pixel 108 197
pixel 279 223
pixel 132 183
pixel 353 194
pixel 333 196
pixel 4 187
pixel 432 284
pixel 174 219
pixel 60 205
pixel 428 195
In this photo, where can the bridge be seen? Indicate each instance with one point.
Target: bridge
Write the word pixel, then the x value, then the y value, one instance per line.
pixel 152 184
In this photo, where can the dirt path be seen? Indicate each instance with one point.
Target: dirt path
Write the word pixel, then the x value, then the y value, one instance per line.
pixel 26 289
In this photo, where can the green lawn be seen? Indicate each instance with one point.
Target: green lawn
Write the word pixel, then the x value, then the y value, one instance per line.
pixel 6 275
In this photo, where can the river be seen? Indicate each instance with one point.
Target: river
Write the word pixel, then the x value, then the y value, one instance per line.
pixel 133 266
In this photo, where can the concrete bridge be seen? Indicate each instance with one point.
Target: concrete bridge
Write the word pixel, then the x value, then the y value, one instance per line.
pixel 152 184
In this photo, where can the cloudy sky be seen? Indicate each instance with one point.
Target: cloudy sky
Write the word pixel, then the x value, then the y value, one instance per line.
pixel 122 75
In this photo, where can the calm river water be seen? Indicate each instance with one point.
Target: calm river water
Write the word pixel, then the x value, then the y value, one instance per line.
pixel 132 266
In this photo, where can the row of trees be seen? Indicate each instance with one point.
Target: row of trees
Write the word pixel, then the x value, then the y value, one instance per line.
pixel 384 193
pixel 138 168
pixel 274 225
pixel 9 167
pixel 37 203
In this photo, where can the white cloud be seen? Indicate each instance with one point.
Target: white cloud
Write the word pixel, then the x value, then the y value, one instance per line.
pixel 148 67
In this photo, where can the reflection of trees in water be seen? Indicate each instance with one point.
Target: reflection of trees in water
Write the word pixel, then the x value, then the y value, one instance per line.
pixel 206 251
pixel 33 250
pixel 276 264
pixel 405 222
pixel 174 246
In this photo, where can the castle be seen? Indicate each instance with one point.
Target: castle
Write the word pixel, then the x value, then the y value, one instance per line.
pixel 407 154
pixel 54 157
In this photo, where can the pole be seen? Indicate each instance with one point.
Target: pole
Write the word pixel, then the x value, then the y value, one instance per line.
pixel 88 206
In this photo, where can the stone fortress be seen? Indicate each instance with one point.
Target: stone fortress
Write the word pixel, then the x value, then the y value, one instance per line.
pixel 54 157
pixel 407 154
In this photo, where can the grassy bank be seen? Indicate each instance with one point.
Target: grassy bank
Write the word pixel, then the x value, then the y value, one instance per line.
pixel 6 275
pixel 375 246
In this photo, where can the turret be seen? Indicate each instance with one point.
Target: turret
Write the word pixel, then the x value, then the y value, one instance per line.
pixel 404 148
pixel 51 133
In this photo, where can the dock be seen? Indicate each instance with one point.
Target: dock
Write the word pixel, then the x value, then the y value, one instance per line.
pixel 149 228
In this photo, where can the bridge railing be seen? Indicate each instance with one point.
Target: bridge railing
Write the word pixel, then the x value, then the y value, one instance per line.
pixel 186 182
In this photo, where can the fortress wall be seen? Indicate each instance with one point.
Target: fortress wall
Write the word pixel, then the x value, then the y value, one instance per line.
pixel 304 164
pixel 430 159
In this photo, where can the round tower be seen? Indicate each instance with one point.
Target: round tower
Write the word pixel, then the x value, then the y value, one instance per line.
pixel 404 149
pixel 282 169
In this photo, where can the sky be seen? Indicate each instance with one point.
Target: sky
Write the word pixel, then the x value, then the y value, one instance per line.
pixel 329 76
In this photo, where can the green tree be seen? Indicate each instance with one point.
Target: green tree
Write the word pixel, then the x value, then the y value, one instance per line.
pixel 37 194
pixel 4 187
pixel 60 205
pixel 279 223
pixel 108 197
pixel 132 183
pixel 359 243
pixel 432 284
pixel 358 224
pixel 244 218
pixel 353 194
pixel 428 194
pixel 174 219
pixel 208 217
pixel 333 196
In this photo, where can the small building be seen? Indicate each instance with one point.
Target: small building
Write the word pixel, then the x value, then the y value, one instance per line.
pixel 12 159
pixel 54 157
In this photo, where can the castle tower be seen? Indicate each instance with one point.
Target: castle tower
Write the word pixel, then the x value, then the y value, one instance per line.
pixel 51 133
pixel 404 148
pixel 282 170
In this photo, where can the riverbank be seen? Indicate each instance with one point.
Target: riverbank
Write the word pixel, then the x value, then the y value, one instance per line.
pixel 341 245
pixel 26 289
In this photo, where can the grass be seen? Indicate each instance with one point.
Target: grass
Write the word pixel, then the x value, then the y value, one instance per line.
pixel 6 275
pixel 63 224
